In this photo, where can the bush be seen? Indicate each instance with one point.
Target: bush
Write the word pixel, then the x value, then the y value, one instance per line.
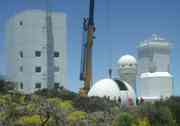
pixel 174 105
pixel 124 119
pixel 143 122
pixel 76 117
pixel 30 120
pixel 51 93
pixel 66 105
pixel 158 115
pixel 93 104
pixel 6 86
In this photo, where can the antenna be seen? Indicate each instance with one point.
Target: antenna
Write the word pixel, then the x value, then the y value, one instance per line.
pixel 110 73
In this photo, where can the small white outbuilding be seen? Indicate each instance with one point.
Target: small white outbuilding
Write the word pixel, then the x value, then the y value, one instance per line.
pixel 157 84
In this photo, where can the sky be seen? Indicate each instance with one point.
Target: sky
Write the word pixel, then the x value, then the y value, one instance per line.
pixel 120 26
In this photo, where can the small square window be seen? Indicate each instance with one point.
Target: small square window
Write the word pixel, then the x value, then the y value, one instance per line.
pixel 21 23
pixel 21 85
pixel 56 68
pixel 37 53
pixel 130 65
pixel 21 68
pixel 123 65
pixel 38 85
pixel 21 54
pixel 56 85
pixel 38 69
pixel 56 54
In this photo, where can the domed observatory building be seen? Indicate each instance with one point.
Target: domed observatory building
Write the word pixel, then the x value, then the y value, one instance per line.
pixel 114 90
pixel 127 69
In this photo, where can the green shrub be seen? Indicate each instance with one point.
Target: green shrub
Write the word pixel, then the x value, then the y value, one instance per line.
pixel 32 107
pixel 6 86
pixel 93 104
pixel 3 100
pixel 62 93
pixel 66 105
pixel 75 117
pixel 174 105
pixel 30 120
pixel 3 116
pixel 158 114
pixel 143 122
pixel 124 119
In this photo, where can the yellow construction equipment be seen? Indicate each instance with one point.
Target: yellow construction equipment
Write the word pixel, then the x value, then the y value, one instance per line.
pixel 87 45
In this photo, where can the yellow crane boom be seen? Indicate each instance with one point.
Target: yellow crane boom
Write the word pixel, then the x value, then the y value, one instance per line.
pixel 86 61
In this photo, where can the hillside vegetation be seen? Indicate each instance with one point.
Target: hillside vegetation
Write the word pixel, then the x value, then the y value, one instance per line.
pixel 64 108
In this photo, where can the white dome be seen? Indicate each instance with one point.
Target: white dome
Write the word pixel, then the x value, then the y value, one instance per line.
pixel 127 59
pixel 114 89
pixel 105 87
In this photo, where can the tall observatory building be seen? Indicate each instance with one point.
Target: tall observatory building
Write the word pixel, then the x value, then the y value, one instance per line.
pixel 36 50
pixel 154 77
pixel 127 69
pixel 154 55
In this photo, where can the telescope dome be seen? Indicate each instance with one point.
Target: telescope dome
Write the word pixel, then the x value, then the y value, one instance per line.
pixel 127 60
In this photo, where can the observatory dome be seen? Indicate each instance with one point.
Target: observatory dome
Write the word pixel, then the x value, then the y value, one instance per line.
pixel 113 89
pixel 127 69
pixel 126 60
pixel 105 87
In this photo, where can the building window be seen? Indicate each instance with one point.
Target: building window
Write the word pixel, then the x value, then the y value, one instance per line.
pixel 56 54
pixel 21 23
pixel 38 85
pixel 130 65
pixel 38 69
pixel 37 53
pixel 21 85
pixel 56 68
pixel 21 54
pixel 123 65
pixel 21 68
pixel 56 85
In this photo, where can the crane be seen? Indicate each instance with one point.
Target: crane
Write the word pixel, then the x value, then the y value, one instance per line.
pixel 87 45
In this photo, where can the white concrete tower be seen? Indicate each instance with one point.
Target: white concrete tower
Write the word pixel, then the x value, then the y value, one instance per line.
pixel 36 50
pixel 154 55
pixel 154 77
pixel 127 68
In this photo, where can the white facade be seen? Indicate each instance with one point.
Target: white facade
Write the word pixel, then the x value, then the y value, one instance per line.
pixel 154 55
pixel 158 84
pixel 154 78
pixel 36 49
pixel 127 68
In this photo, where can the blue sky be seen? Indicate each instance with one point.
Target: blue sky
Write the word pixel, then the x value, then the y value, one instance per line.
pixel 121 25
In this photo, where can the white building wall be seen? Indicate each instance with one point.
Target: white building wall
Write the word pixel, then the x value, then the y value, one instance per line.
pixel 154 56
pixel 156 86
pixel 162 61
pixel 26 32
